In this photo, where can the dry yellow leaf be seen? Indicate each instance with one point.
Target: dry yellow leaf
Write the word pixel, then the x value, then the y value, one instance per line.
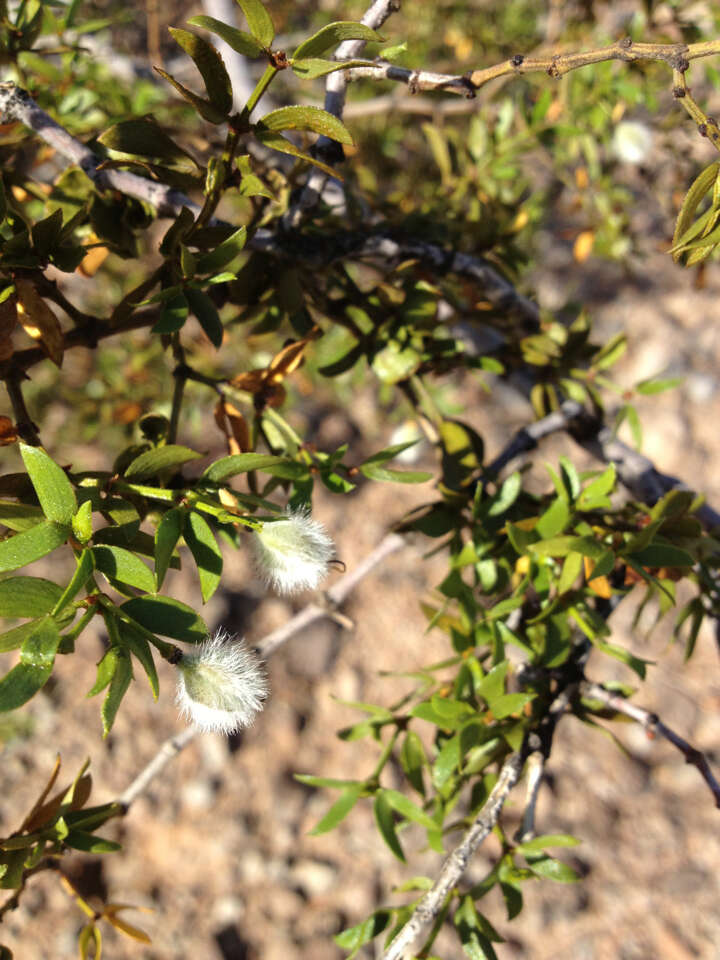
pixel 583 245
pixel 39 321
pixel 600 586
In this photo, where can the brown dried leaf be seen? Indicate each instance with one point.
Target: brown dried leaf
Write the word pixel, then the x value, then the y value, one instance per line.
pixel 92 261
pixel 39 321
pixel 289 359
pixel 8 321
pixel 8 433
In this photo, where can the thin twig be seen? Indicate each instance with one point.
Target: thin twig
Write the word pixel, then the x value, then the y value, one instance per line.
pixel 455 865
pixel 335 596
pixel 318 185
pixel 654 725
pixel 535 773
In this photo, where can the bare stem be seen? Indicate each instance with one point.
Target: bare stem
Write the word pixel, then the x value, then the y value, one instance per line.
pixel 654 725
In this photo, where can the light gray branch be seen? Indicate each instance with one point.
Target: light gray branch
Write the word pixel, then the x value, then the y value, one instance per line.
pixel 402 947
pixel 320 185
pixel 17 104
pixel 416 80
pixel 654 725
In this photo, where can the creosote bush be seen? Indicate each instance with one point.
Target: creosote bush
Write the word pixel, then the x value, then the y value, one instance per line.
pixel 375 251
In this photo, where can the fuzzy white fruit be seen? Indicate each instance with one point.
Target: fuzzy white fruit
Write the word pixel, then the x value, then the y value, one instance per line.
pixel 293 554
pixel 221 684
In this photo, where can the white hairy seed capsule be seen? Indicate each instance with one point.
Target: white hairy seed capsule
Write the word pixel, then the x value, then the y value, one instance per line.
pixel 632 141
pixel 221 684
pixel 293 554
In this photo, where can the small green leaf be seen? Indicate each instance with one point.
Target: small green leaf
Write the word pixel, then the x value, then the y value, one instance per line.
pixel 238 463
pixel 27 596
pixel 261 26
pixel 167 617
pixel 310 68
pixel 572 566
pixel 334 33
pixel 116 691
pixel 19 516
pixel 355 937
pixel 208 318
pixel 649 387
pixel 276 141
pixel 406 808
pixel 83 571
pixel 385 820
pixel 339 810
pixel 305 118
pixel 206 553
pixel 105 670
pixel 663 555
pixel 37 656
pixel 510 703
pixel 142 137
pixel 116 563
pixel 82 522
pixel 540 844
pixel 552 869
pixel 413 760
pixel 211 67
pixel 168 533
pixel 206 109
pixel 152 462
pixel 238 40
pixel 12 639
pixel 373 472
pixel 224 253
pixel 53 489
pixel 138 645
pixel 173 314
pixel 31 544
pixel 506 496
pixel 89 843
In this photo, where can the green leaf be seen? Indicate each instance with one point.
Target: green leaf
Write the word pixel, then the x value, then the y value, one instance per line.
pixel 83 571
pixel 53 489
pixel 142 137
pixel 82 522
pixel 510 703
pixel 355 937
pixel 224 252
pixel 12 639
pixel 211 67
pixel 105 671
pixel 208 317
pixel 554 520
pixel 27 596
pixel 310 68
pixel 373 472
pixel 552 869
pixel 137 643
pixel 595 493
pixel 206 109
pixel 167 617
pixel 332 782
pixel 116 691
pixel 305 118
pixel 168 533
pixel 447 761
pixel 649 387
pixel 572 567
pixel 334 33
pixel 276 141
pixel 506 496
pixel 662 555
pixel 406 808
pixel 339 810
pixel 261 26
pixel 152 462
pixel 37 656
pixel 173 314
pixel 413 760
pixel 31 544
pixel 238 40
pixel 89 843
pixel 562 546
pixel 231 466
pixel 19 516
pixel 206 553
pixel 385 820
pixel 540 844
pixel 116 563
